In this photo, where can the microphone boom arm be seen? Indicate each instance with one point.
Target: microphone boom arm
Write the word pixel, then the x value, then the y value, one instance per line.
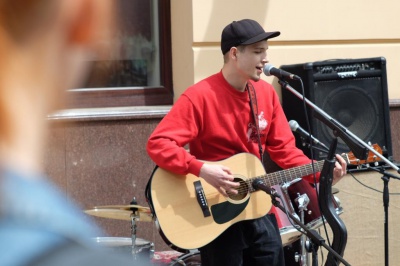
pixel 357 146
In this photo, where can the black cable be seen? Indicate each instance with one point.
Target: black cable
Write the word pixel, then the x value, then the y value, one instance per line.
pixel 371 188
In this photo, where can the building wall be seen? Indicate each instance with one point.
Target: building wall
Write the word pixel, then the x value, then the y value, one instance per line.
pixel 311 31
pixel 98 157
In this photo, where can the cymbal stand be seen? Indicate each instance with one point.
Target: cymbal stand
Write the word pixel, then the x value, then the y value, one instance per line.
pixel 134 216
pixel 133 235
pixel 302 202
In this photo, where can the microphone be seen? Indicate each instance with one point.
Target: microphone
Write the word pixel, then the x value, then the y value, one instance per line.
pixel 295 127
pixel 258 184
pixel 279 73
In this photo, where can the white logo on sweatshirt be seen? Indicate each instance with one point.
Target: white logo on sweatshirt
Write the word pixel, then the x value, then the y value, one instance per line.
pixel 262 125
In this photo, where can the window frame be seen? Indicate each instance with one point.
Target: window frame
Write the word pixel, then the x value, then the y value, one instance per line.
pixel 135 96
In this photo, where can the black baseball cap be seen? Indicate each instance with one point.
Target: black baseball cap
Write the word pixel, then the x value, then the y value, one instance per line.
pixel 243 32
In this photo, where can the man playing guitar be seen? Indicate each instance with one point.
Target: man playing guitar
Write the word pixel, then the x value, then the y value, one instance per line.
pixel 228 113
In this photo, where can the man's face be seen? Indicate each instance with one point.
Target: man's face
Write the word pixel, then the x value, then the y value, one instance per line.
pixel 251 60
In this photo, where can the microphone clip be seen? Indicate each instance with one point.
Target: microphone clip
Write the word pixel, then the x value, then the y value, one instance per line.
pixel 258 184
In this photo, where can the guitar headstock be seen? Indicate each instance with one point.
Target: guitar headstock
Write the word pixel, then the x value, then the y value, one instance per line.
pixel 372 158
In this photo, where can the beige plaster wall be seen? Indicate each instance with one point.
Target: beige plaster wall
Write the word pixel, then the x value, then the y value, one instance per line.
pixel 311 30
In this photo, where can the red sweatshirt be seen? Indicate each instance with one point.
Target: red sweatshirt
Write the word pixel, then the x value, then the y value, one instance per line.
pixel 215 120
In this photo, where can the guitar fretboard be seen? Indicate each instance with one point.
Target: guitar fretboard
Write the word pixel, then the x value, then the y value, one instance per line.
pixel 284 176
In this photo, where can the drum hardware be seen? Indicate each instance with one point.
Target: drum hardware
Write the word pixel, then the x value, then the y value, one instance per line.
pixel 133 236
pixel 132 213
pixel 308 214
pixel 312 217
pixel 316 239
pixel 302 202
pixel 122 246
pixel 134 217
pixel 288 230
pixel 192 258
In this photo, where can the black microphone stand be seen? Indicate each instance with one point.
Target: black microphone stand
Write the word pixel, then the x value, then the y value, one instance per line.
pixel 386 178
pixel 356 145
pixel 327 208
pixel 308 145
pixel 312 234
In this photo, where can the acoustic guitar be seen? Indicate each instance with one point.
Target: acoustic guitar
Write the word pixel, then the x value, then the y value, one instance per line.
pixel 191 213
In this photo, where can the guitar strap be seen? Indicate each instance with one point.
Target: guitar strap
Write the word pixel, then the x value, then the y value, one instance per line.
pixel 254 110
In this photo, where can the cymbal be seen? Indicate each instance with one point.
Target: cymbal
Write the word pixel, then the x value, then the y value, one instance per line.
pixel 125 207
pixel 118 214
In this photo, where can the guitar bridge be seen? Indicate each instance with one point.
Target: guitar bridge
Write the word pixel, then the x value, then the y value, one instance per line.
pixel 201 198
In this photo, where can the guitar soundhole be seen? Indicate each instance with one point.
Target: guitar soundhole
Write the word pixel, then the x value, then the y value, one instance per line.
pixel 243 190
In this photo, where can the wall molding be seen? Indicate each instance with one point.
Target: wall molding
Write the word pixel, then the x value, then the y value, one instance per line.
pixel 110 113
pixel 133 112
pixel 394 103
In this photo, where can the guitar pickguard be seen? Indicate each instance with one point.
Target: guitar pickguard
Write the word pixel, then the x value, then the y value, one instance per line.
pixel 226 211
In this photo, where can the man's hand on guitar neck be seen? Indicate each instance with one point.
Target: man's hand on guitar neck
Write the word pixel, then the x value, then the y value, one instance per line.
pixel 340 169
pixel 220 177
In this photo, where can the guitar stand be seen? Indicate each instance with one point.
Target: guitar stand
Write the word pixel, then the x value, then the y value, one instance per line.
pixel 315 239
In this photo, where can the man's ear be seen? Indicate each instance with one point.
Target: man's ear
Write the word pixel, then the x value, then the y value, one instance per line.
pixel 233 53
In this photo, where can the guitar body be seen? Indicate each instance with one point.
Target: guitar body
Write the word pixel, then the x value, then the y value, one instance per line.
pixel 180 215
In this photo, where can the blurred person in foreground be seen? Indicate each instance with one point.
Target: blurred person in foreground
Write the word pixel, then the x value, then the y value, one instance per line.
pixel 43 47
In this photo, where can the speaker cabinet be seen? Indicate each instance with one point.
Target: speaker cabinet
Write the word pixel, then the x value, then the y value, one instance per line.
pixel 352 91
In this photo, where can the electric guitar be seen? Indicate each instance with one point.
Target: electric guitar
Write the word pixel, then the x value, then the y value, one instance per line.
pixel 191 213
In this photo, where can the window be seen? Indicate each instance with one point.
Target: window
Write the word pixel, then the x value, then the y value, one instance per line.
pixel 136 71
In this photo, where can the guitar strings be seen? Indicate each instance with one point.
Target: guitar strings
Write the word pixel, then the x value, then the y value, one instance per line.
pixel 277 178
